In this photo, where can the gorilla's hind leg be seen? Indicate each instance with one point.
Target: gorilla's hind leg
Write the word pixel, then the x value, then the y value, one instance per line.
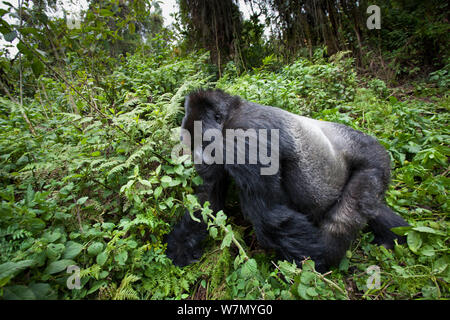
pixel 290 233
pixel 379 216
pixel 360 202
pixel 349 214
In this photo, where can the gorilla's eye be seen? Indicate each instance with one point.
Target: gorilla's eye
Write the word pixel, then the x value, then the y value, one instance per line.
pixel 218 117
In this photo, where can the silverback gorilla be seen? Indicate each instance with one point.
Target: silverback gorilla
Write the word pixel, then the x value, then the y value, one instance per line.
pixel 330 183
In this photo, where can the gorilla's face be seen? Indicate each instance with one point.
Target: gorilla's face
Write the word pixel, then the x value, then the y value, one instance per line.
pixel 201 114
pixel 212 112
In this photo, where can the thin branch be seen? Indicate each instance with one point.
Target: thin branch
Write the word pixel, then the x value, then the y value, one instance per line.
pixel 77 208
pixel 20 55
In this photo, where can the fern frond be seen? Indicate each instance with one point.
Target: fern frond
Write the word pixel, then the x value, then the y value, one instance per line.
pixel 125 290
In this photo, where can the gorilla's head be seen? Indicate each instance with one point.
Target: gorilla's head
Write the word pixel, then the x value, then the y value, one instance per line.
pixel 211 107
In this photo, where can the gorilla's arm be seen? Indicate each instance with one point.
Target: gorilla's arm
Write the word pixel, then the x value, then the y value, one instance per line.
pixel 184 242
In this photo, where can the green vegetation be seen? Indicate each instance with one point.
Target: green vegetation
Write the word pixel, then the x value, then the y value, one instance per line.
pixel 87 178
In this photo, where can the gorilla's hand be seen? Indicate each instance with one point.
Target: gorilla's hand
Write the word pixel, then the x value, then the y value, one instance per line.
pixel 184 242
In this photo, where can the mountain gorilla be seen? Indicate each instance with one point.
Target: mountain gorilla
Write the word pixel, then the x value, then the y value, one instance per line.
pixel 330 183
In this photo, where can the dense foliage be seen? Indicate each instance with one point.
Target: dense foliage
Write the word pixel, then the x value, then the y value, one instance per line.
pixel 412 38
pixel 87 178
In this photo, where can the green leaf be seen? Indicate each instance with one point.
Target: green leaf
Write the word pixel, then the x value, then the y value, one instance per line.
pixel 158 192
pixel 121 257
pixel 106 13
pixel 19 292
pixel 95 248
pixel 213 232
pixel 344 264
pixel 38 67
pixel 73 249
pixel 51 236
pixel 393 100
pixel 166 181
pixel 193 217
pixel 35 291
pixel 287 269
pixel 29 195
pixel 36 224
pixel 308 265
pixel 24 50
pixel 82 200
pixel 197 180
pixel 441 264
pixel 427 250
pixel 429 230
pixel 10 269
pixel 58 266
pixel 401 231
pixel 169 202
pixel 221 218
pixel 131 27
pixel 101 258
pixel 306 277
pixel 54 251
pixel 226 242
pixel 108 226
pixel 132 244
pixel 249 269
pixel 312 292
pixel 430 292
pixel 97 285
pixel 302 291
pixel 10 36
pixel 414 241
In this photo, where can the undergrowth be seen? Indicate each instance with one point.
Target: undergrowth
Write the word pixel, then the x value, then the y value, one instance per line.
pixel 94 186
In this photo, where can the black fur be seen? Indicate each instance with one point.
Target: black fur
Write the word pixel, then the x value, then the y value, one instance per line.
pixel 330 184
